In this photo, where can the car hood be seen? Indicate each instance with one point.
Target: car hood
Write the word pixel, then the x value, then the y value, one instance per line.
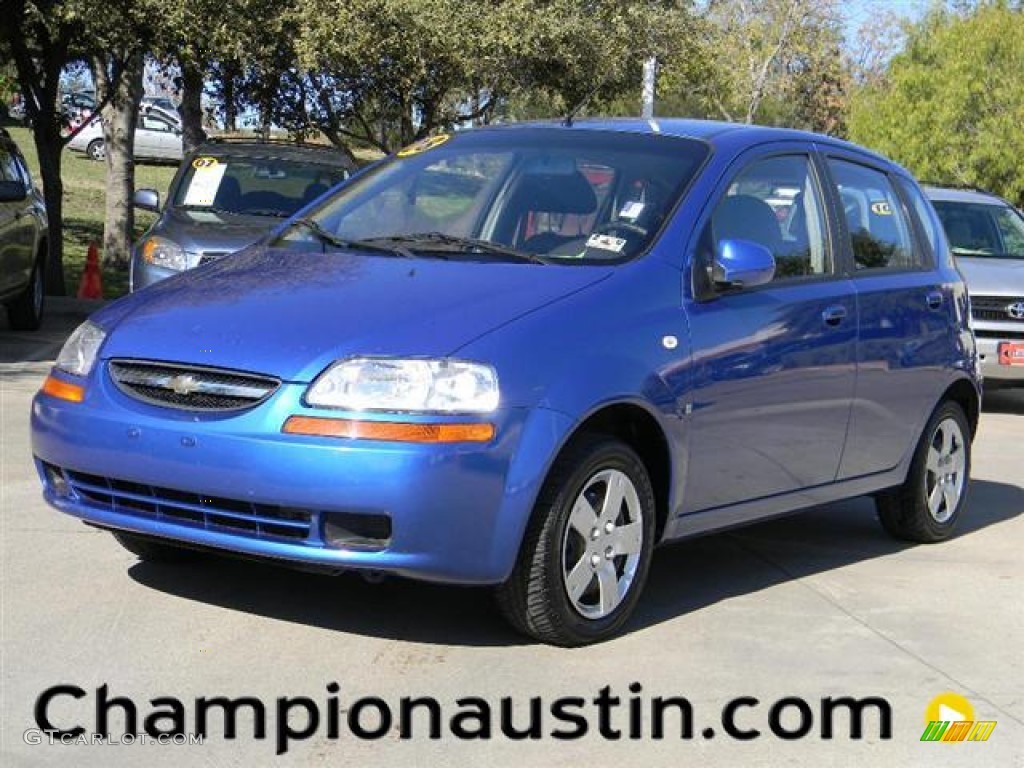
pixel 290 314
pixel 992 277
pixel 212 232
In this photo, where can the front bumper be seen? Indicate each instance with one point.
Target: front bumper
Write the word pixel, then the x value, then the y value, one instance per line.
pixel 456 512
pixel 988 352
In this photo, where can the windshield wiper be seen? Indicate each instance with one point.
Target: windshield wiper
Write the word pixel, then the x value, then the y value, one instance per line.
pixel 329 238
pixel 429 241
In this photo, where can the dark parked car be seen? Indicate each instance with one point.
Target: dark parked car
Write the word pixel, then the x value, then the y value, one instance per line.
pixel 986 234
pixel 23 241
pixel 226 195
pixel 524 356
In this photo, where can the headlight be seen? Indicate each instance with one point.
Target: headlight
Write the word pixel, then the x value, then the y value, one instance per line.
pixel 380 384
pixel 161 252
pixel 79 352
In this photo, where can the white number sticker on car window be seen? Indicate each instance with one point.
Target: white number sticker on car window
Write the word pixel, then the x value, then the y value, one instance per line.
pixel 204 185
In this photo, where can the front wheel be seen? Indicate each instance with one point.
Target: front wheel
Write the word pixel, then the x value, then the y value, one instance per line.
pixel 926 507
pixel 587 550
pixel 96 149
pixel 26 312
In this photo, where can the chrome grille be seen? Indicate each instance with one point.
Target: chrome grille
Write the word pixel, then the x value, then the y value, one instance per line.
pixel 210 512
pixel 207 256
pixel 190 387
pixel 997 308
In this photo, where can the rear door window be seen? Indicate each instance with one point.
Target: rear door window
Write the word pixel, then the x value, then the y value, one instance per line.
pixel 876 222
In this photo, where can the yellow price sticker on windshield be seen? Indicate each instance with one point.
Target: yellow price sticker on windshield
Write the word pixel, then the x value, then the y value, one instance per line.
pixel 204 162
pixel 424 144
pixel 881 209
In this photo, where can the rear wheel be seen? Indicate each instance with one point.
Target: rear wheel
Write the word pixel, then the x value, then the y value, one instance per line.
pixel 587 550
pixel 927 506
pixel 96 149
pixel 152 550
pixel 26 312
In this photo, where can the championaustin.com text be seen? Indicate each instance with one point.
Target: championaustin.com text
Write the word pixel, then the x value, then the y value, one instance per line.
pixel 68 714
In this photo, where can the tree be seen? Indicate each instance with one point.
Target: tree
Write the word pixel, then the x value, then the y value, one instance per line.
pixel 766 54
pixel 118 35
pixel 39 35
pixel 952 105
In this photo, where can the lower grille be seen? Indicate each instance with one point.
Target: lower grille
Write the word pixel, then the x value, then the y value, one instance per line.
pixel 192 509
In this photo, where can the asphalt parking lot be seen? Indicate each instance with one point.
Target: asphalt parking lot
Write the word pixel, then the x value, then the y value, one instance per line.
pixel 817 605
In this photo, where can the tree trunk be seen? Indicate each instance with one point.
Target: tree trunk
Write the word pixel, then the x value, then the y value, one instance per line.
pixel 38 70
pixel 192 133
pixel 48 149
pixel 119 80
pixel 230 71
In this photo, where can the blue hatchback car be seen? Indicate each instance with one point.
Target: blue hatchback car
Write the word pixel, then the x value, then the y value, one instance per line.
pixel 523 356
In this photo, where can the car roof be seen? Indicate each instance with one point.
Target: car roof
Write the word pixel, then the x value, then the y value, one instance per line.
pixel 962 195
pixel 315 153
pixel 713 132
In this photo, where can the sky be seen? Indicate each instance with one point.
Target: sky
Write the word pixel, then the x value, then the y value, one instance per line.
pixel 856 12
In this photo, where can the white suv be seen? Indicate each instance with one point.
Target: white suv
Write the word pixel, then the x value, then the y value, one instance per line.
pixel 986 235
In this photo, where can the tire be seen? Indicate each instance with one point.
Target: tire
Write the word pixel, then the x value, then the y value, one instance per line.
pixel 926 508
pixel 26 312
pixel 152 550
pixel 569 587
pixel 96 150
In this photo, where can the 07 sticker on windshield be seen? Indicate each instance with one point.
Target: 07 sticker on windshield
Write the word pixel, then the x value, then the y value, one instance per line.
pixel 206 177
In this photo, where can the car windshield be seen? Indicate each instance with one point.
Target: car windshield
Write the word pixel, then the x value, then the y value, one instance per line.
pixel 514 195
pixel 256 187
pixel 982 230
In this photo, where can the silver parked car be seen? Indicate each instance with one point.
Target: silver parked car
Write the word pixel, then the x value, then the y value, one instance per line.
pixel 157 137
pixel 225 196
pixel 986 235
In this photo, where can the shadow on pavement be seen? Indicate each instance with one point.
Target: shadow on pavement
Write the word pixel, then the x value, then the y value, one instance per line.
pixel 1007 400
pixel 684 577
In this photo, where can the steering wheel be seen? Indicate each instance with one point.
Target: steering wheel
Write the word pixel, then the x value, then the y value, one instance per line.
pixel 619 225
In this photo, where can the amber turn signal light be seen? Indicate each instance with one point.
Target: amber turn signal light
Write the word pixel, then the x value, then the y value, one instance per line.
pixel 390 431
pixel 63 390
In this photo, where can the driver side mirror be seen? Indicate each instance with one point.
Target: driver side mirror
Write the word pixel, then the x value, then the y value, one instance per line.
pixel 147 200
pixel 742 264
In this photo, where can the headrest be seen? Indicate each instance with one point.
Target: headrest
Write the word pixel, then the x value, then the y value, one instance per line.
pixel 557 193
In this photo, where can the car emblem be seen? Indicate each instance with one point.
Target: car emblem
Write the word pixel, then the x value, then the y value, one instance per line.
pixel 1016 310
pixel 184 384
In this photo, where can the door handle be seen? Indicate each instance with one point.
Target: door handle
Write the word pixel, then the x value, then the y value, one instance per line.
pixel 834 315
pixel 934 299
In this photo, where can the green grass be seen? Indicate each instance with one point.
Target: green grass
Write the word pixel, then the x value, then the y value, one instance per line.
pixel 84 201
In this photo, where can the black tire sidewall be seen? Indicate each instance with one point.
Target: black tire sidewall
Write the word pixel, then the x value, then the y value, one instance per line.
pixel 917 484
pixel 603 454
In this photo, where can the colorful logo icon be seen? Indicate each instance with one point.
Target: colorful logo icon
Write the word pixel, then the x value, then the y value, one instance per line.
pixel 950 718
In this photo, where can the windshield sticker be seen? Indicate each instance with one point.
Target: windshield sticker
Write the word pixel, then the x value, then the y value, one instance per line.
pixel 424 144
pixel 631 210
pixel 881 208
pixel 606 243
pixel 204 162
pixel 205 182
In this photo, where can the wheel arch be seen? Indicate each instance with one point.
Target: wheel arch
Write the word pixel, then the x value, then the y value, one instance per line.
pixel 964 394
pixel 638 428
